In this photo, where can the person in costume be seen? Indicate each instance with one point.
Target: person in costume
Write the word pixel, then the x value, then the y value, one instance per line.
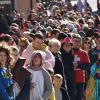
pixel 41 83
pixel 95 73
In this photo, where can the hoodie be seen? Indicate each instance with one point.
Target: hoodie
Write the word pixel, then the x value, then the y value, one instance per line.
pixel 41 87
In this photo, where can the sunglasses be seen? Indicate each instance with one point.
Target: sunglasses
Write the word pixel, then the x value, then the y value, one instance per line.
pixel 87 43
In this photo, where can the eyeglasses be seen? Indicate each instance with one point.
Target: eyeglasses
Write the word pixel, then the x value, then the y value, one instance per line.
pixel 87 43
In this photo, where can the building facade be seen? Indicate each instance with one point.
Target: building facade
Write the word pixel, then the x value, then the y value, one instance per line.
pixel 24 6
pixel 5 6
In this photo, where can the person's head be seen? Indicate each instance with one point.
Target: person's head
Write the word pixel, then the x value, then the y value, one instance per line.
pixel 5 57
pixel 97 40
pixel 37 59
pixel 97 53
pixel 14 53
pixel 23 43
pixel 18 15
pixel 27 24
pixel 86 43
pixel 61 37
pixel 67 44
pixel 77 40
pixel 57 80
pixel 81 21
pixel 37 41
pixel 99 56
pixel 6 38
pixel 90 23
pixel 55 33
pixel 54 45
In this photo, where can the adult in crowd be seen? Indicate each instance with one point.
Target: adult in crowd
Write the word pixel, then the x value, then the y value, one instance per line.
pixel 81 64
pixel 54 46
pixel 23 43
pixel 6 82
pixel 67 60
pixel 92 55
pixel 37 44
pixel 21 76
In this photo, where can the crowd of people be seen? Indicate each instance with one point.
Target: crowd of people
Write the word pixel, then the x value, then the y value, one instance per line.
pixel 52 53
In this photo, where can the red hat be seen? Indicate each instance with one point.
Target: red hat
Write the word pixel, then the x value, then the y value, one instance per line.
pixel 67 40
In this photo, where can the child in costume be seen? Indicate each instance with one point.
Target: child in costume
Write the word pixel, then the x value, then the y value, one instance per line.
pixel 6 82
pixel 41 83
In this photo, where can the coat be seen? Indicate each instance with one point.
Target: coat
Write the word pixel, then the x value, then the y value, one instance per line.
pixel 67 60
pixel 49 59
pixel 6 83
pixel 47 84
pixel 22 77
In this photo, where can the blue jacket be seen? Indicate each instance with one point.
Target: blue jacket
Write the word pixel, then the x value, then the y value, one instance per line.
pixel 5 85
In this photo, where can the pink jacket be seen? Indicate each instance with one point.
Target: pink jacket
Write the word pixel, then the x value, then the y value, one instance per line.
pixel 49 60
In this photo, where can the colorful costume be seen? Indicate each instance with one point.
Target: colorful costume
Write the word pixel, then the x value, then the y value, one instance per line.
pixel 95 72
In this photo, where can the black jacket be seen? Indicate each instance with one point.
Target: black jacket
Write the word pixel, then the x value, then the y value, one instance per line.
pixel 23 78
pixel 67 60
pixel 59 69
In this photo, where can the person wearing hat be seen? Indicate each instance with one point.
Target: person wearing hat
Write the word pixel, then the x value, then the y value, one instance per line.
pixel 67 59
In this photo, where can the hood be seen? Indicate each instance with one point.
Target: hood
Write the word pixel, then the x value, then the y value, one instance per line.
pixel 42 54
